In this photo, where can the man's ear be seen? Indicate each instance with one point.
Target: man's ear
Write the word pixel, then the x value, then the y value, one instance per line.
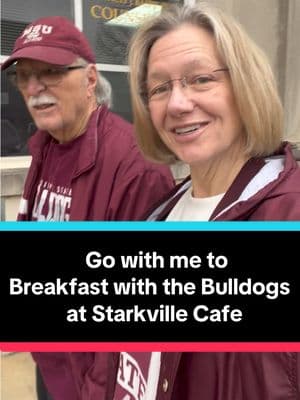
pixel 91 76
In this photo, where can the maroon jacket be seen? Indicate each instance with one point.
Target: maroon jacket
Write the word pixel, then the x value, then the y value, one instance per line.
pixel 192 376
pixel 112 180
pixel 74 375
pixel 218 376
pixel 264 190
pixel 223 376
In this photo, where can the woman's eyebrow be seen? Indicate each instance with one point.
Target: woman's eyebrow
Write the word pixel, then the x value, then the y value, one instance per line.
pixel 202 63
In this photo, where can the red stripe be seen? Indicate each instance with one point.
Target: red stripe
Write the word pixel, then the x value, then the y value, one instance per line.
pixel 150 346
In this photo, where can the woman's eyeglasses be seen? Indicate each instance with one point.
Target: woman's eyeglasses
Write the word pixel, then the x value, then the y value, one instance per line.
pixel 194 82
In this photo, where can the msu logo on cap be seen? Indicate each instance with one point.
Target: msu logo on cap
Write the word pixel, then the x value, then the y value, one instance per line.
pixel 35 33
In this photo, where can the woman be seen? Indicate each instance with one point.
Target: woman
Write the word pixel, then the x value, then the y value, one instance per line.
pixel 204 93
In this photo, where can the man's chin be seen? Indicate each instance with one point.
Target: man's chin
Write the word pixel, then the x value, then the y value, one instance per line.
pixel 45 125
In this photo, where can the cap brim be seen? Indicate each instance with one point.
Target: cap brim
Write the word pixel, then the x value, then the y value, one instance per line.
pixel 51 55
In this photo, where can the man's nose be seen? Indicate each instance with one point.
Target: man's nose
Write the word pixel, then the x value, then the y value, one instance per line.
pixel 34 85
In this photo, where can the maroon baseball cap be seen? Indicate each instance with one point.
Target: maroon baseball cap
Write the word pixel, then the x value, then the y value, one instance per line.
pixel 54 40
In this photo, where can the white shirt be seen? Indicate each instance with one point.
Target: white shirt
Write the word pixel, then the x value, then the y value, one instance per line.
pixel 190 208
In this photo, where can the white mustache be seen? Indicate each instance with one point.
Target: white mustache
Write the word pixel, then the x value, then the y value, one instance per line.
pixel 43 99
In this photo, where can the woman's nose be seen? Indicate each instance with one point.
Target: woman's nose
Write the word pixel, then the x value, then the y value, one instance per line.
pixel 180 100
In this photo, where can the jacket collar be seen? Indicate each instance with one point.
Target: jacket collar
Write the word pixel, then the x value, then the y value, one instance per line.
pixel 255 175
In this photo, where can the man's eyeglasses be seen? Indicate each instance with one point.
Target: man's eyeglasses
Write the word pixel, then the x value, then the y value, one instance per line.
pixel 48 76
pixel 195 82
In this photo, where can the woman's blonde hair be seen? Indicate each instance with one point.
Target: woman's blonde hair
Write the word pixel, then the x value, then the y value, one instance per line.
pixel 252 79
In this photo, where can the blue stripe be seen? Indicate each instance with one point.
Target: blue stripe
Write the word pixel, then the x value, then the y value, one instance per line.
pixel 152 226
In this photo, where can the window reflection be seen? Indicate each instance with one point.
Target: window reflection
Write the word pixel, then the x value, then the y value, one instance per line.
pixel 109 25
pixel 16 123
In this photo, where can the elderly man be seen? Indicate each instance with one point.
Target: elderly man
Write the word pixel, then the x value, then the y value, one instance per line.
pixel 85 161
pixel 85 165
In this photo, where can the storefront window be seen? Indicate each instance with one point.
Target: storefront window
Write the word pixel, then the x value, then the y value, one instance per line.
pixel 109 25
pixel 16 122
pixel 16 14
pixel 120 97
